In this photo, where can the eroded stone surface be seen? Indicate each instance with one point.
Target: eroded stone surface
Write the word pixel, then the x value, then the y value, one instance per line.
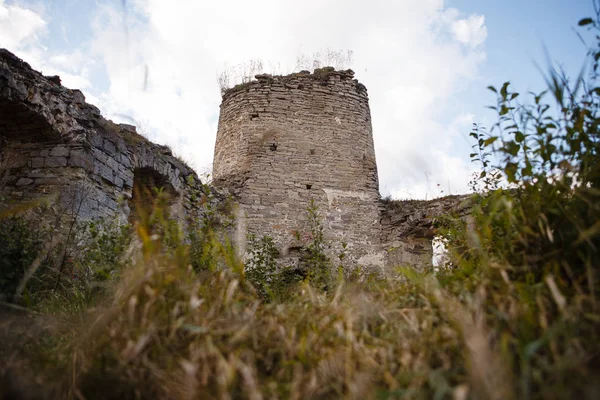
pixel 281 142
pixel 284 141
pixel 53 143
pixel 408 228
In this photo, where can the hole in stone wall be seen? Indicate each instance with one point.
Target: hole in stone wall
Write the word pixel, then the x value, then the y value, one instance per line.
pixel 273 146
pixel 309 186
pixel 22 125
pixel 26 140
pixel 440 258
pixel 148 187
pixel 312 152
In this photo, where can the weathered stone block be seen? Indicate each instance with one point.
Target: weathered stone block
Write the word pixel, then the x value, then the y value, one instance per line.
pixel 24 182
pixel 121 145
pixel 55 162
pixel 112 164
pixel 99 155
pixel 37 162
pixel 128 181
pixel 59 151
pixel 81 159
pixel 109 147
pixel 103 171
pixel 95 139
pixel 112 204
pixel 47 181
pixel 125 160
pixel 18 160
pixel 78 97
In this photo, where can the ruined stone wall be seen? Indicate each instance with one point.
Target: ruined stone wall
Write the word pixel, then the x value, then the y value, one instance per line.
pixel 281 142
pixel 408 228
pixel 284 141
pixel 54 145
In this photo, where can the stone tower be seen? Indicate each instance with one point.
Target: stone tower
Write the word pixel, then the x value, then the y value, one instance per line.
pixel 283 141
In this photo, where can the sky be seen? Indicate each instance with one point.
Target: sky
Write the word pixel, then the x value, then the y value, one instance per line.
pixel 426 65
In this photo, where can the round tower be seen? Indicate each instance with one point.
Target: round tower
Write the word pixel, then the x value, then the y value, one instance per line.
pixel 284 141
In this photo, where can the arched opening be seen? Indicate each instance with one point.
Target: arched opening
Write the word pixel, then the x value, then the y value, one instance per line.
pixel 150 189
pixel 22 125
pixel 30 152
pixel 440 258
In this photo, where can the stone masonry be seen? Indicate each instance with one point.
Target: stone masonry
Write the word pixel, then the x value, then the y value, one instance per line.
pixel 408 227
pixel 52 143
pixel 284 141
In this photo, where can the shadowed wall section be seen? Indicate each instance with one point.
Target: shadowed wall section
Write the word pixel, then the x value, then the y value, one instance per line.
pixel 409 227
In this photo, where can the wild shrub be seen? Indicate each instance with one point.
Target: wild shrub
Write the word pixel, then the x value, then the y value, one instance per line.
pixel 273 282
pixel 101 247
pixel 93 258
pixel 21 241
pixel 58 259
pixel 261 265
pixel 530 256
pixel 207 225
pixel 316 262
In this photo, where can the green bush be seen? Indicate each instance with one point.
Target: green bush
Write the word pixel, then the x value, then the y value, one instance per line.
pixel 101 248
pixel 317 264
pixel 529 259
pixel 261 266
pixel 21 241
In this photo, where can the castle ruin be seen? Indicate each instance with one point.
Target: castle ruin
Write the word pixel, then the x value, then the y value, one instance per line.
pixel 283 143
pixel 53 143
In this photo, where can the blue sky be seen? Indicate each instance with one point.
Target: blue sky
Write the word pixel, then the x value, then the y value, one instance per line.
pixel 521 34
pixel 426 64
pixel 518 32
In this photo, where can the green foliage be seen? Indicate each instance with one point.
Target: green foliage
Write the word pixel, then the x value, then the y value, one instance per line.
pixel 273 283
pixel 207 223
pixel 261 266
pixel 65 271
pixel 70 282
pixel 489 178
pixel 20 243
pixel 516 317
pixel 101 247
pixel 532 245
pixel 317 264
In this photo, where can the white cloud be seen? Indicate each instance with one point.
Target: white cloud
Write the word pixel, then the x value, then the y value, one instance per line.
pixel 162 59
pixel 22 31
pixel 18 25
pixel 471 31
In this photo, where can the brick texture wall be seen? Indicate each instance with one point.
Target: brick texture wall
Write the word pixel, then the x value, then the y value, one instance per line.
pixel 54 145
pixel 284 141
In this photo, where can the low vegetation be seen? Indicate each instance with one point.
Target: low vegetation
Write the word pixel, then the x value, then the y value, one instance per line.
pixel 164 313
pixel 239 75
